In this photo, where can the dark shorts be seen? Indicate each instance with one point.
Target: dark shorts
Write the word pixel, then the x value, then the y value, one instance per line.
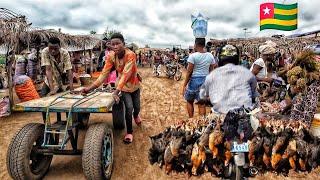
pixel 193 88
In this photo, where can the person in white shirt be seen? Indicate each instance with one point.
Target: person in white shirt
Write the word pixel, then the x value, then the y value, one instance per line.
pixel 200 64
pixel 259 67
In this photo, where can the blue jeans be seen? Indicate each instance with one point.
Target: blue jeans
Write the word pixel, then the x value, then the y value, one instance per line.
pixel 193 88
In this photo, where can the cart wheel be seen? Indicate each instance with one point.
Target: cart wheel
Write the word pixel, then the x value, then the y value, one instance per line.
pixel 118 115
pixel 22 160
pixel 97 157
pixel 82 118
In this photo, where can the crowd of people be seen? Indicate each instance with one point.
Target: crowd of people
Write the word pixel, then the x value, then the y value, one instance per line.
pixel 231 79
pixel 224 75
pixel 267 103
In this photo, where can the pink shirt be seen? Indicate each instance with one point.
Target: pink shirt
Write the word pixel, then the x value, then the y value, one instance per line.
pixel 112 78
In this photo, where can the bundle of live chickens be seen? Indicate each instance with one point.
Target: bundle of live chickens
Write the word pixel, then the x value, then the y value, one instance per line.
pixel 205 145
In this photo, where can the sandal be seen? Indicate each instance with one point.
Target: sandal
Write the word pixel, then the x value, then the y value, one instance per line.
pixel 137 120
pixel 128 138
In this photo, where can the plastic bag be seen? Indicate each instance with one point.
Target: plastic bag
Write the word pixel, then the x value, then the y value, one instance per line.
pixel 22 79
pixel 4 107
pixel 199 26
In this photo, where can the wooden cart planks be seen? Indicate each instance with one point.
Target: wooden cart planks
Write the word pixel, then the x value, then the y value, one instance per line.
pixel 97 102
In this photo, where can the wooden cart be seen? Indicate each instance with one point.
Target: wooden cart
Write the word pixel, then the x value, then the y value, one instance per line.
pixel 32 148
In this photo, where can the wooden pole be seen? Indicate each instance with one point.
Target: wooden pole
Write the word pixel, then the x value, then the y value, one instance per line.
pixel 91 62
pixel 84 56
pixel 9 70
pixel 9 60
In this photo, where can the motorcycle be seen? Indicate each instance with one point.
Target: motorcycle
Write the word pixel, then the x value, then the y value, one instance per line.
pixel 173 70
pixel 238 167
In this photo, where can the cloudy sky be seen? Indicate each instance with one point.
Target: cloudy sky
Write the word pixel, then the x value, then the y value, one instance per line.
pixel 157 22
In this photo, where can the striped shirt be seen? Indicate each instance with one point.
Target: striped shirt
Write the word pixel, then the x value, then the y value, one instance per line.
pixel 229 87
pixel 64 64
pixel 127 71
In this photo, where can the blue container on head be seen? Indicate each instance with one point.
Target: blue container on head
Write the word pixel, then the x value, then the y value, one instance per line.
pixel 199 26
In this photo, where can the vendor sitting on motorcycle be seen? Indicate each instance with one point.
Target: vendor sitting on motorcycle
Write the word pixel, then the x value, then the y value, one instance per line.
pixel 231 85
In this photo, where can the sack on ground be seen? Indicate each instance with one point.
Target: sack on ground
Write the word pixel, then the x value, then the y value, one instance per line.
pixel 26 91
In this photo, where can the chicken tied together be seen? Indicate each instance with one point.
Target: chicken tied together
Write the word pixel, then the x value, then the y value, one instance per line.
pixel 196 147
pixel 280 145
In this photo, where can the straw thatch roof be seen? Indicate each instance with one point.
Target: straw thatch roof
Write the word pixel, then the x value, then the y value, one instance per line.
pixel 16 33
pixel 40 37
pixel 11 26
pixel 286 45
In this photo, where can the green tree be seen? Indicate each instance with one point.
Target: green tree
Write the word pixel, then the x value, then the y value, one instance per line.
pixel 93 32
pixel 108 33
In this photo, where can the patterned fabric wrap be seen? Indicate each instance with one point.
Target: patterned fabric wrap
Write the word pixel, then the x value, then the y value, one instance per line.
pixel 32 69
pixel 20 66
pixel 304 106
pixel 4 107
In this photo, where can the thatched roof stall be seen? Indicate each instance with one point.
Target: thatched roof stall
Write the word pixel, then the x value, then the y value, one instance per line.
pixel 11 27
pixel 16 35
pixel 286 45
pixel 40 37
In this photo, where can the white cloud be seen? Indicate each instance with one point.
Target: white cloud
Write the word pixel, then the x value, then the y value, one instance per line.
pixel 157 22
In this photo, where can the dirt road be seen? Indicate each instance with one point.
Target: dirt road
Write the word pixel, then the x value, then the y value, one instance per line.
pixel 162 105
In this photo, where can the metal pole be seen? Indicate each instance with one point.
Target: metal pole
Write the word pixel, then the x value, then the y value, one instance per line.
pixel 245 33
